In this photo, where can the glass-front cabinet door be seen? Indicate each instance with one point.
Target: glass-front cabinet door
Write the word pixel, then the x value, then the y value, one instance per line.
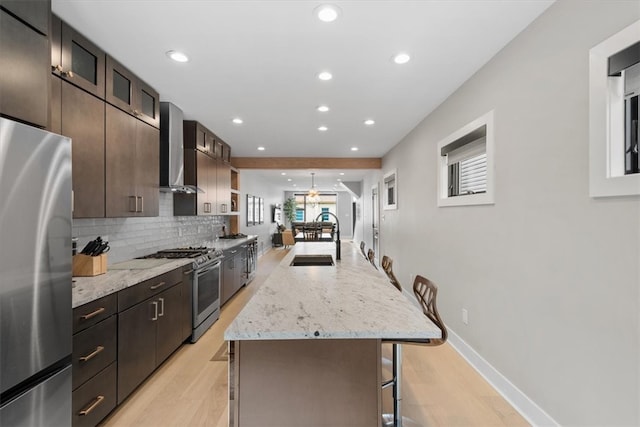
pixel 81 62
pixel 127 92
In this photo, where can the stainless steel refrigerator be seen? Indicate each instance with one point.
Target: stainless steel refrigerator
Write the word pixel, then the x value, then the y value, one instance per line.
pixel 35 276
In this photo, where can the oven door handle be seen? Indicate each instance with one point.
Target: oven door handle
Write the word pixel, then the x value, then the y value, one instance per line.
pixel 208 269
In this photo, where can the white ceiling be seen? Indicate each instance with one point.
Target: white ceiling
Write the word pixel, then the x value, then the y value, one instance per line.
pixel 259 60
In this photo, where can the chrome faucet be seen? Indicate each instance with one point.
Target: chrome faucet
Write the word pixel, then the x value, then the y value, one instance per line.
pixel 337 231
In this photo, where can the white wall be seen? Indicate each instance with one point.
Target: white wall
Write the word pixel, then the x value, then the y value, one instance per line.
pixel 550 277
pixel 251 182
pixel 363 231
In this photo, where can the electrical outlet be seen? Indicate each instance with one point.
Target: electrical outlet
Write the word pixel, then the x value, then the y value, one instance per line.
pixel 465 316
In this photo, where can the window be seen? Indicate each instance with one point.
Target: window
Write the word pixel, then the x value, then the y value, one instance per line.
pixel 308 211
pixel 614 89
pixel 324 216
pixel 390 191
pixel 466 158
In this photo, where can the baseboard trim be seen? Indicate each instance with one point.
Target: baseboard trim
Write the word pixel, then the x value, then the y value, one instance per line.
pixel 535 415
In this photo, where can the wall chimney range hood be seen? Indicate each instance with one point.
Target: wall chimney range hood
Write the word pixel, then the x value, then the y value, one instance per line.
pixel 172 151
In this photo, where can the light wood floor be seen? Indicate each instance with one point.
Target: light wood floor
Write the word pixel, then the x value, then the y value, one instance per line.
pixel 190 389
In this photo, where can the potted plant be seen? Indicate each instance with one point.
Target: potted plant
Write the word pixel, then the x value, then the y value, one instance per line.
pixel 289 208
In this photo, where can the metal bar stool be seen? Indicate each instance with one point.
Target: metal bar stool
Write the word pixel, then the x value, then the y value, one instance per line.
pixel 426 293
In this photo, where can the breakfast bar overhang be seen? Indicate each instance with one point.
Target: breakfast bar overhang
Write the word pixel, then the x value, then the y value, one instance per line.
pixel 306 349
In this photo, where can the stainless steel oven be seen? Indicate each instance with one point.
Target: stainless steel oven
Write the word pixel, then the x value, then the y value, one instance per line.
pixel 205 277
pixel 206 297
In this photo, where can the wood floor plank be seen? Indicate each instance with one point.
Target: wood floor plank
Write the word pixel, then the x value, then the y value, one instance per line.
pixel 189 389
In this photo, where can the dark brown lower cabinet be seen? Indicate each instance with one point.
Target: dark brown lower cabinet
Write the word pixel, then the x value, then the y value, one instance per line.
pixel 148 333
pixel 94 361
pixel 95 399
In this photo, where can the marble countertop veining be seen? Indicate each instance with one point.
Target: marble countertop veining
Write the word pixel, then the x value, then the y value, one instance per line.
pixel 348 300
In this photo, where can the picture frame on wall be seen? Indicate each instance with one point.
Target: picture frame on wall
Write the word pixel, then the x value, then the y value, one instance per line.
pixel 256 210
pixel 250 210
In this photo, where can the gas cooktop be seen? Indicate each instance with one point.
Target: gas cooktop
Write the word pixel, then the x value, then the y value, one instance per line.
pixel 202 256
pixel 233 236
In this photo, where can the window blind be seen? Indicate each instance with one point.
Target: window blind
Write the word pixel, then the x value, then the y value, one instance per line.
pixel 473 175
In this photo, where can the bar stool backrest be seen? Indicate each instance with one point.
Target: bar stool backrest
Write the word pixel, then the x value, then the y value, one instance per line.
pixel 364 254
pixel 371 256
pixel 388 269
pixel 427 292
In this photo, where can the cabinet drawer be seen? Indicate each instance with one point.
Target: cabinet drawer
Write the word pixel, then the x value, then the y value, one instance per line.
pixel 95 399
pixel 93 350
pixel 91 313
pixel 143 290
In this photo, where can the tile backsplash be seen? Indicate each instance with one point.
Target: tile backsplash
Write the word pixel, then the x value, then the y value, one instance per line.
pixel 135 237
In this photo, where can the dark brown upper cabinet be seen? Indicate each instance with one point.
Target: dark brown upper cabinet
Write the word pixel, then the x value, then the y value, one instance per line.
pixel 33 12
pixel 132 165
pixel 80 116
pixel 24 75
pixel 76 59
pixel 127 92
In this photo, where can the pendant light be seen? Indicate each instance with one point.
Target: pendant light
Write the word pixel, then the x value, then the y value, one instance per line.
pixel 312 196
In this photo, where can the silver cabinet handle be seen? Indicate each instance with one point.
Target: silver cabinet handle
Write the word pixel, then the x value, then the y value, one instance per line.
pixel 186 273
pixel 161 307
pixel 93 354
pixel 155 307
pixel 92 314
pixel 93 405
pixel 141 204
pixel 159 285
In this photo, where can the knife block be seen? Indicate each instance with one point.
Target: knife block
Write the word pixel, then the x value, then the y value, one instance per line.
pixel 89 266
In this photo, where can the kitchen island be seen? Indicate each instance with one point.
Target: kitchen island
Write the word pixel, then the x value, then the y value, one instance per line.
pixel 305 350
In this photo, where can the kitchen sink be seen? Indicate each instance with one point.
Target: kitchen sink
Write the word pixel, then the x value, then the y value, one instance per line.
pixel 312 260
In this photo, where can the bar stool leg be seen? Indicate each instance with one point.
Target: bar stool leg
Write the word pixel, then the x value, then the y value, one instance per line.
pixel 397 385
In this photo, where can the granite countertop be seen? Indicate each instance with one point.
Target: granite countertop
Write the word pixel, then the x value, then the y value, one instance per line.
pixel 128 273
pixel 348 300
pixel 120 276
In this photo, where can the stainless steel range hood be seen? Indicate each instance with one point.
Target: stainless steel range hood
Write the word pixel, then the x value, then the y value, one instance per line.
pixel 172 151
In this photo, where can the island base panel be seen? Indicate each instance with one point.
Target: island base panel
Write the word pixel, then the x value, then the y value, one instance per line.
pixel 311 383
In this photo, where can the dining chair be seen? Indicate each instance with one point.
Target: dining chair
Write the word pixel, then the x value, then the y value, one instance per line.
pixel 287 238
pixel 371 256
pixel 426 293
pixel 364 254
pixel 387 266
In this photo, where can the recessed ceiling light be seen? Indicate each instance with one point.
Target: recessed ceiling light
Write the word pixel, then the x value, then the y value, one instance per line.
pixel 323 128
pixel 323 108
pixel 283 173
pixel 294 185
pixel 354 148
pixel 327 12
pixel 289 179
pixel 177 56
pixel 401 58
pixel 369 122
pixel 342 173
pixel 325 75
pixel 260 148
pixel 338 180
pixel 237 120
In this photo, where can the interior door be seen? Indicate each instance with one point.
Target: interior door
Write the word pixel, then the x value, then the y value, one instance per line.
pixel 375 218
